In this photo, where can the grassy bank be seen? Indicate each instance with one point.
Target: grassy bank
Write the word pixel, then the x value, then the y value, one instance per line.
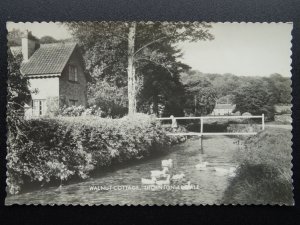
pixel 264 175
pixel 59 149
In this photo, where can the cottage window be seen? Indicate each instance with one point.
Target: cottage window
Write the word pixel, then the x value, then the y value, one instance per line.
pixel 72 102
pixel 39 107
pixel 73 73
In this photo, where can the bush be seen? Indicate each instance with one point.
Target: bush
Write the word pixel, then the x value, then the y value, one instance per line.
pixel 111 98
pixel 259 184
pixel 235 128
pixel 264 176
pixel 65 147
pixel 81 111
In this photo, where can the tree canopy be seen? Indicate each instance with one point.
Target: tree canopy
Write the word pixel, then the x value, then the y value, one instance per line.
pixel 14 37
pixel 200 94
pixel 255 95
pixel 255 98
pixel 48 40
pixel 18 93
pixel 122 53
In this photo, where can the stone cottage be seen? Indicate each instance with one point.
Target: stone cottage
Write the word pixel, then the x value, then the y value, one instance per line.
pixel 55 73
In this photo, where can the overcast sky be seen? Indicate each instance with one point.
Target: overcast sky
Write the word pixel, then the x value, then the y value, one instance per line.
pixel 244 49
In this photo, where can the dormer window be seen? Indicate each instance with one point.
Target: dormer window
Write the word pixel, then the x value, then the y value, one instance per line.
pixel 73 73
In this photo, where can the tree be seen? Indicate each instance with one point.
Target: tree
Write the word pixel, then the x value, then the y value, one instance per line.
pixel 131 70
pixel 200 95
pixel 201 102
pixel 161 89
pixel 256 98
pixel 18 93
pixel 14 37
pixel 281 88
pixel 115 54
pixel 48 40
pixel 111 99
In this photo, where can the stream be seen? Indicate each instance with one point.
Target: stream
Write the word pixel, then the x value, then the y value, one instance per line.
pixel 219 151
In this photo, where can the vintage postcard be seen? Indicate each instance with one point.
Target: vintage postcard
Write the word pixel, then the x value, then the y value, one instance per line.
pixel 149 113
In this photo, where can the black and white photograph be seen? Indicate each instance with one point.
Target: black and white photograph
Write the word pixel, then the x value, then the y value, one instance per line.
pixel 149 113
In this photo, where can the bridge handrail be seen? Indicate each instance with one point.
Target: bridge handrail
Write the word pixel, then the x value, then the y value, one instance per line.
pixel 201 118
pixel 202 133
pixel 208 117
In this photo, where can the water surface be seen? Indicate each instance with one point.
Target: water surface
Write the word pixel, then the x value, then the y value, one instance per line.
pixel 219 151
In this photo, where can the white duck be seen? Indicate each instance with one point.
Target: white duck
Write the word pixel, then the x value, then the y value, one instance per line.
pixel 187 186
pixel 202 166
pixel 159 173
pixel 164 182
pixel 177 176
pixel 149 181
pixel 167 163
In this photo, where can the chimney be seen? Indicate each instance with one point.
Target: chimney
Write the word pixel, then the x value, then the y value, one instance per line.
pixel 29 45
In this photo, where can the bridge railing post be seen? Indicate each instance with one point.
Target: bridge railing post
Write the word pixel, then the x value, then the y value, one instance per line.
pixel 201 144
pixel 201 137
pixel 263 121
pixel 201 125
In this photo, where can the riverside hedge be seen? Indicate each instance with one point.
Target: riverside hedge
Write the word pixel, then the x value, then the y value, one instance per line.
pixel 59 149
pixel 265 175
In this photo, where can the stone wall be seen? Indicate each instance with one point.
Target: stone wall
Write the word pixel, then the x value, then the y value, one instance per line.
pixel 73 90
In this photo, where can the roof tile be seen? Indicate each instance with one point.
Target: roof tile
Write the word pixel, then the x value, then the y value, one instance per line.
pixel 48 59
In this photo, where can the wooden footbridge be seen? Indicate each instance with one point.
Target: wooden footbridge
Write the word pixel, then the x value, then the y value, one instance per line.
pixel 203 118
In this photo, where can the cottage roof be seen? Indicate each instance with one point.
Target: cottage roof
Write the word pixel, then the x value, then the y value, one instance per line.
pixel 48 59
pixel 224 106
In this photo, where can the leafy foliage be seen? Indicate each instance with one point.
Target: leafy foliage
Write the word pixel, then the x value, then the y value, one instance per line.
pixel 255 98
pixel 281 88
pixel 48 40
pixel 265 175
pixel 160 87
pixel 14 37
pixel 72 111
pixel 105 48
pixel 202 102
pixel 75 146
pixel 80 111
pixel 255 95
pixel 18 93
pixel 200 95
pixel 111 99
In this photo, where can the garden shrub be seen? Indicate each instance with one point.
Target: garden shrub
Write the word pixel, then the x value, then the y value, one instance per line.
pixel 65 147
pixel 236 128
pixel 80 111
pixel 264 176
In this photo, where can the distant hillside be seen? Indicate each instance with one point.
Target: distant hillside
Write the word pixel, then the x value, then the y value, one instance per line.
pixel 227 84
